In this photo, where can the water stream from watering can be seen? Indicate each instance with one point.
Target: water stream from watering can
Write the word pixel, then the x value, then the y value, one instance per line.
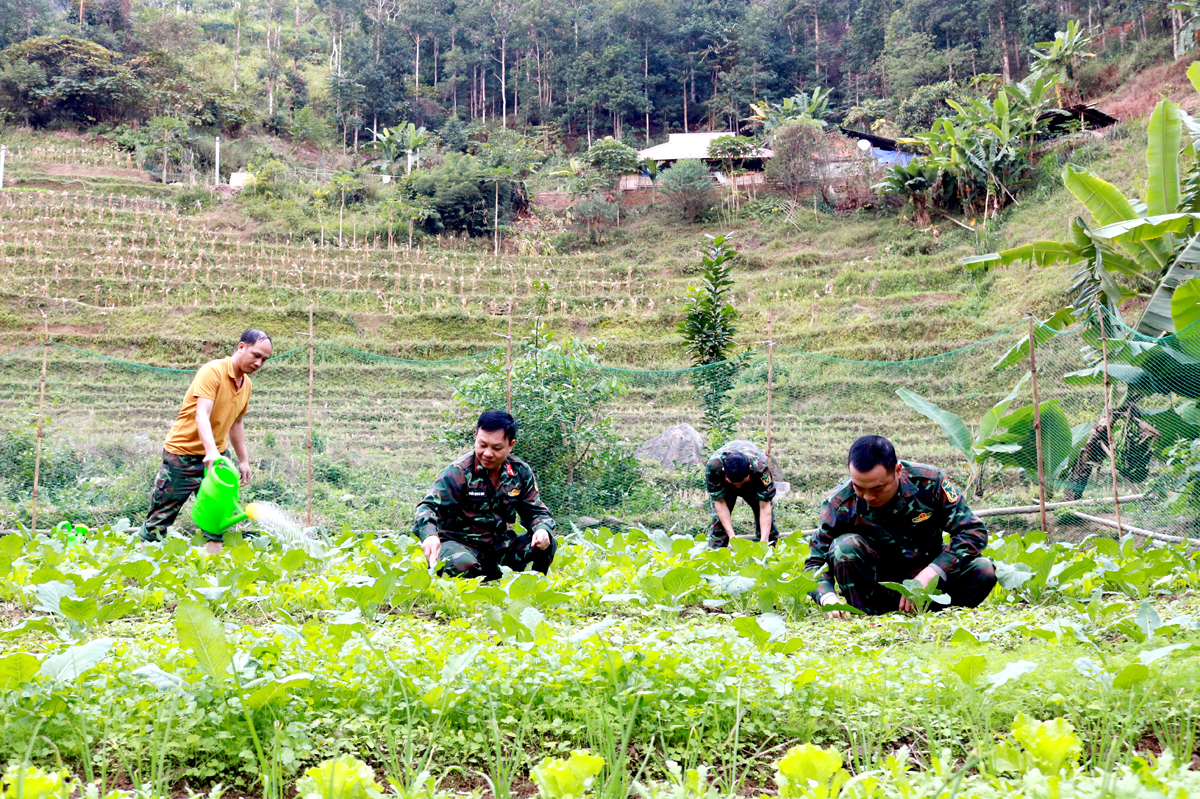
pixel 278 523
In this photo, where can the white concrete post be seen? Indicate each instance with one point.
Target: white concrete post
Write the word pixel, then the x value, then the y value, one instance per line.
pixel 3 154
pixel 218 171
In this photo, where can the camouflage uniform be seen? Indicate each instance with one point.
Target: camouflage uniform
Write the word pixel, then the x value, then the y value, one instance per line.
pixel 178 478
pixel 759 488
pixel 473 519
pixel 863 545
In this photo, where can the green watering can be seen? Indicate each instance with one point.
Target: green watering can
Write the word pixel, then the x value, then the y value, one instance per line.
pixel 216 506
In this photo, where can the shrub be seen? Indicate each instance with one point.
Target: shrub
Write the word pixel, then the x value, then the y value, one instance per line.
pixel 460 198
pixel 924 106
pixel 564 432
pixel 612 157
pixel 708 328
pixel 191 201
pixel 268 176
pixel 308 127
pixel 802 160
pixel 688 188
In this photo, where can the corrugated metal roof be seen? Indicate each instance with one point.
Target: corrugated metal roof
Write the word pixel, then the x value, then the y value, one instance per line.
pixel 691 145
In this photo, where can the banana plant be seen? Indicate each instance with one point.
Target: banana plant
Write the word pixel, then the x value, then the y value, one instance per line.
pixel 1139 240
pixel 920 185
pixel 1061 56
pixel 404 142
pixel 977 446
pixel 800 106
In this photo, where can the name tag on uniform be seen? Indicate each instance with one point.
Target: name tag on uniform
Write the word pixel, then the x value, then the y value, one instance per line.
pixel 477 493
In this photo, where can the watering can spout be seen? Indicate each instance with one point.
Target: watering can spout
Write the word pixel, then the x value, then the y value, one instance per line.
pixel 216 508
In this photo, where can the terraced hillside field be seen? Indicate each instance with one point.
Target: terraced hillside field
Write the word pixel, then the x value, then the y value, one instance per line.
pixel 129 277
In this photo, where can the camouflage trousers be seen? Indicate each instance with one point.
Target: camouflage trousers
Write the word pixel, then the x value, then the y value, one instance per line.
pixel 718 538
pixel 476 559
pixel 178 479
pixel 858 569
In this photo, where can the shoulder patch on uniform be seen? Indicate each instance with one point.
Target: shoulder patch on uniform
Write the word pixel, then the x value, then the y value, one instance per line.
pixel 766 477
pixel 923 517
pixel 951 491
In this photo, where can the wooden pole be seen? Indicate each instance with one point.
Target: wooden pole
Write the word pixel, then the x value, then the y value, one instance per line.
pixel 311 306
pixel 508 371
pixel 37 453
pixel 770 380
pixel 1020 510
pixel 1037 424
pixel 1128 528
pixel 1112 450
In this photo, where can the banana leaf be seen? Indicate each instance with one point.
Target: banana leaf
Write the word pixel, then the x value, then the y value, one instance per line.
pixel 1041 253
pixel 1185 306
pixel 1162 158
pixel 1108 207
pixel 1145 228
pixel 1059 440
pixel 951 423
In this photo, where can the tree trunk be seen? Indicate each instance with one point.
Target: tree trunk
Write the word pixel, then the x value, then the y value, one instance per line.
pixel 646 84
pixel 504 80
pixel 1175 18
pixel 1005 66
pixel 816 44
pixel 496 220
pixel 1088 458
pixel 685 99
pixel 417 64
pixel 237 48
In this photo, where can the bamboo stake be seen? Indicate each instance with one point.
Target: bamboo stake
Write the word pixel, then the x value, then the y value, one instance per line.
pixel 1037 424
pixel 37 454
pixel 311 306
pixel 770 379
pixel 512 300
pixel 1112 450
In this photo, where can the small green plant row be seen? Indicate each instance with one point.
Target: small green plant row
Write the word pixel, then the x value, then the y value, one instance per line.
pixel 1038 759
pixel 84 583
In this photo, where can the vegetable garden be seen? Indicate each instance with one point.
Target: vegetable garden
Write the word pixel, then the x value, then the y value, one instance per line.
pixel 689 672
pixel 643 664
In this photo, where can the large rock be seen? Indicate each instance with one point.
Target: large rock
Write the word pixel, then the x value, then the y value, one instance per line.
pixel 681 444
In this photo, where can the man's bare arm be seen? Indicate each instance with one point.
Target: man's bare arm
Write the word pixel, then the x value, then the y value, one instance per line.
pixel 766 517
pixel 237 437
pixel 722 510
pixel 204 408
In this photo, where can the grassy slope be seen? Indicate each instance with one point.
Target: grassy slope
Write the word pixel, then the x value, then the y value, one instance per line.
pixel 859 286
pixel 863 287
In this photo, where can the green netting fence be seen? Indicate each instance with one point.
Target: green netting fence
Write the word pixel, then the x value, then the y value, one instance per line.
pixel 381 426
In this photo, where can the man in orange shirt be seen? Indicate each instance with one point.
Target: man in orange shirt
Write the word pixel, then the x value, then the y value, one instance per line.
pixel 211 418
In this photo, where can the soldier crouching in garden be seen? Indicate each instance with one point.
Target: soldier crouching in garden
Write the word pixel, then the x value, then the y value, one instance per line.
pixel 210 418
pixel 465 519
pixel 739 470
pixel 885 523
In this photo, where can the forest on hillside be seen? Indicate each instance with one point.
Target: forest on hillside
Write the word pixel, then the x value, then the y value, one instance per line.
pixel 337 71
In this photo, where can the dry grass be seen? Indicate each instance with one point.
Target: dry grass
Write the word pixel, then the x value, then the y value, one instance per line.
pixel 1138 95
